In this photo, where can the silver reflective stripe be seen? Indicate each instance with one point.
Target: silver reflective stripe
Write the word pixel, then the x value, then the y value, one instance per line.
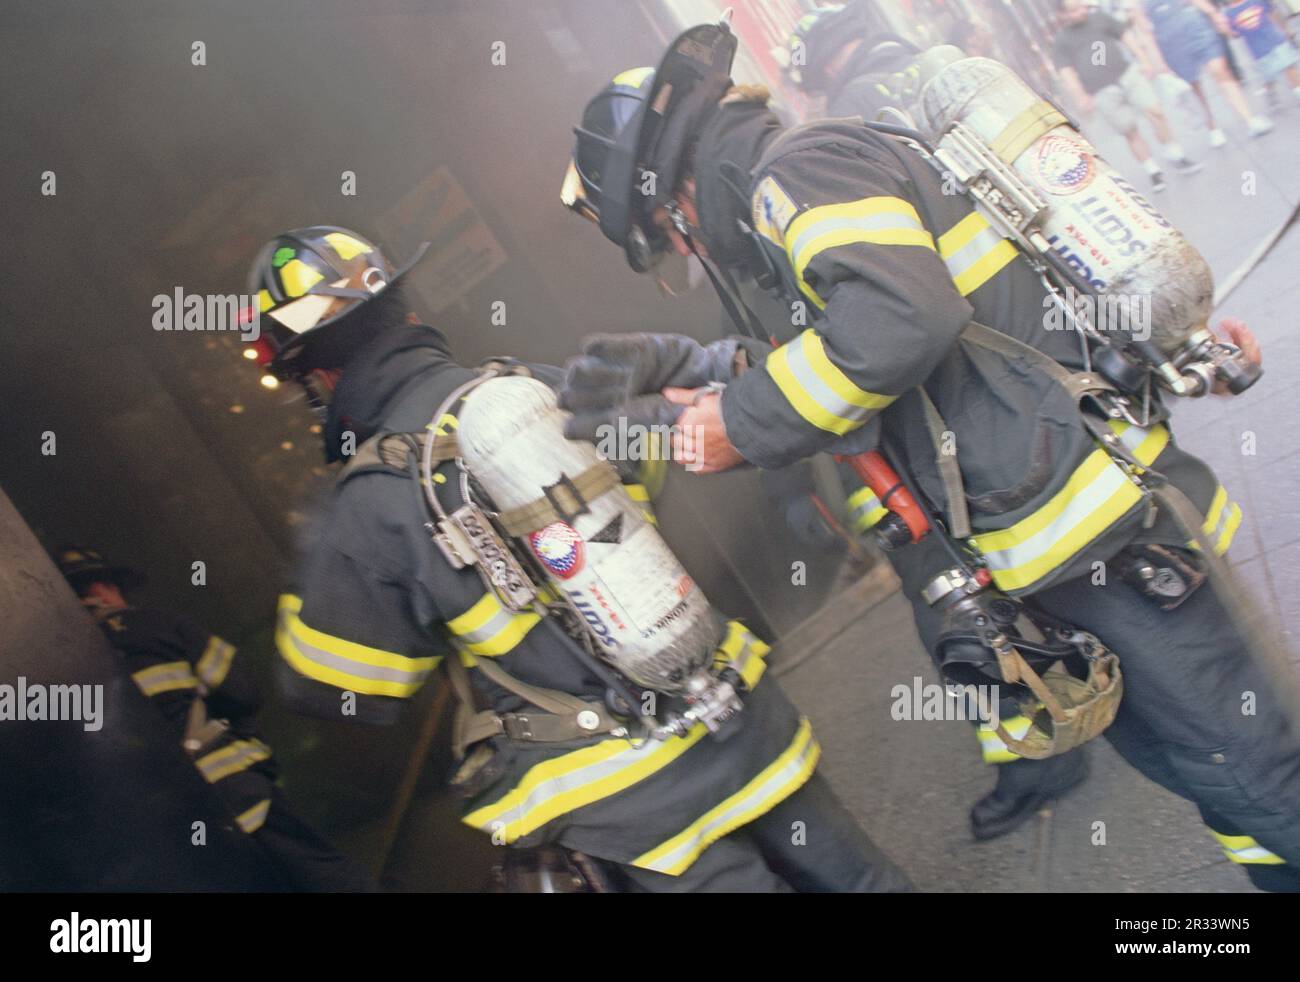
pixel 1082 505
pixel 571 781
pixel 867 223
pixel 349 666
pixel 821 393
pixel 495 624
pixel 255 817
pixel 775 783
pixel 165 678
pixel 863 502
pixel 232 759
pixel 972 252
pixel 215 662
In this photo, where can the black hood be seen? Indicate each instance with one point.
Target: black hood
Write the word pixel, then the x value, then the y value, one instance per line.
pixel 731 142
pixel 374 379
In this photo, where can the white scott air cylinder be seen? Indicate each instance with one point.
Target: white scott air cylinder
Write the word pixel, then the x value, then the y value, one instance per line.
pixel 1096 220
pixel 647 616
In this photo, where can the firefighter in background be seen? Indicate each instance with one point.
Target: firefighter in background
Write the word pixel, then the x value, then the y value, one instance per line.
pixel 856 226
pixel 375 607
pixel 839 53
pixel 868 76
pixel 209 697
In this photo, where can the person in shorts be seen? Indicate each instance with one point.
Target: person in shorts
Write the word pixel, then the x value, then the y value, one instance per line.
pixel 1099 71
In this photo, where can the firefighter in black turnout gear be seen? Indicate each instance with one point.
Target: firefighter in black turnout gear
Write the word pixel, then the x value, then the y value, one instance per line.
pixel 840 53
pixel 208 695
pixel 550 755
pixel 926 322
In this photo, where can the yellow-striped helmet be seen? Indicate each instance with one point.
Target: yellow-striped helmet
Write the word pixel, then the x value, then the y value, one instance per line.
pixel 308 278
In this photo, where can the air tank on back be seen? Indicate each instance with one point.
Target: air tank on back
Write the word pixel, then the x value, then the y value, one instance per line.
pixel 1112 237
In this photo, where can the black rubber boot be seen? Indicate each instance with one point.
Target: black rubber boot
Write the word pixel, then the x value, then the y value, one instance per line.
pixel 1023 787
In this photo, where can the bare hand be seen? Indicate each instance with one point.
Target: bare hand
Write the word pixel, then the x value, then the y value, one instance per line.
pixel 700 435
pixel 1235 331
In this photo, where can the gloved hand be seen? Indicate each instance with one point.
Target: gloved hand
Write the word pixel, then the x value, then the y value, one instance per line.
pixel 622 375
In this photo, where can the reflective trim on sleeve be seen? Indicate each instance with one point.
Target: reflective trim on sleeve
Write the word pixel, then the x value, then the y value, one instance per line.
pixel 231 759
pixel 488 628
pixel 817 390
pixel 346 664
pixel 566 783
pixel 639 494
pixel 742 651
pixel 1221 521
pixel 253 819
pixel 214 663
pixel 974 252
pixel 865 509
pixel 1244 849
pixel 883 220
pixel 991 745
pixel 167 677
pixel 773 785
pixel 1097 495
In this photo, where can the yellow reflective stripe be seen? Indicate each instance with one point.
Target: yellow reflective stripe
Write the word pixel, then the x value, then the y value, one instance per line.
pixel 231 759
pixel 490 629
pixel 817 390
pixel 215 661
pixel 974 252
pixel 633 77
pixel 573 780
pixel 1221 521
pixel 255 817
pixel 167 677
pixel 883 220
pixel 865 509
pixel 1097 495
pixel 774 784
pixel 742 651
pixel 345 245
pixel 346 664
pixel 1244 849
pixel 991 745
pixel 297 277
pixel 640 494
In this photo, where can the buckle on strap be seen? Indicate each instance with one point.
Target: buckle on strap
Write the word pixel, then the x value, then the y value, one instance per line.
pixel 566 499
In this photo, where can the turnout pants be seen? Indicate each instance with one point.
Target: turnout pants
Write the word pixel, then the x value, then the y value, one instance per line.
pixel 1202 716
pixel 809 843
pixel 303 860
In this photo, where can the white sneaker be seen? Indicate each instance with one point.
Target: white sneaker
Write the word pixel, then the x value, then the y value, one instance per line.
pixel 1218 138
pixel 1259 125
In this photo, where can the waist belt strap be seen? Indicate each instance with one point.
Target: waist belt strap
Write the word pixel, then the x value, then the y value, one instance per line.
pixel 564 716
pixel 562 501
pixel 949 470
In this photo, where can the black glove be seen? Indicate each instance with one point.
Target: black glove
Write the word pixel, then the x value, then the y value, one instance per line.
pixel 621 375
